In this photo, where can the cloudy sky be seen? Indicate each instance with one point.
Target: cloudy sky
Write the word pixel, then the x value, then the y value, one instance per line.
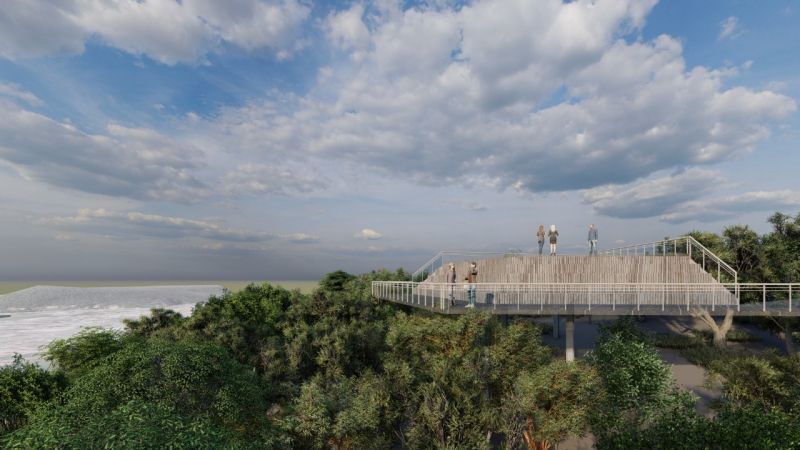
pixel 283 139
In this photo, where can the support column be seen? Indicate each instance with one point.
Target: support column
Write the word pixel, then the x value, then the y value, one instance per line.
pixel 556 324
pixel 570 335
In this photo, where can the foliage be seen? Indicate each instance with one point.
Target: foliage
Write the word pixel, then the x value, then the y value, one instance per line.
pixel 335 281
pixel 343 414
pixel 136 424
pixel 769 382
pixel 551 403
pixel 675 340
pixel 24 387
pixel 193 384
pixel 638 387
pixel 248 323
pixel 158 320
pixel 84 351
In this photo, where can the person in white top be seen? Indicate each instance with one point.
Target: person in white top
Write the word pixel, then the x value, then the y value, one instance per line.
pixel 553 234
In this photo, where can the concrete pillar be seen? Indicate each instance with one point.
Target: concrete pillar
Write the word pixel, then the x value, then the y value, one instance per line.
pixel 570 335
pixel 556 325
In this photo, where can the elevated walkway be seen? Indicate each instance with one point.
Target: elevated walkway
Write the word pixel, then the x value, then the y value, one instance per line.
pixel 669 277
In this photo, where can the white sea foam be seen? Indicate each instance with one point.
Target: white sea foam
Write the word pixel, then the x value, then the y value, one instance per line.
pixel 43 313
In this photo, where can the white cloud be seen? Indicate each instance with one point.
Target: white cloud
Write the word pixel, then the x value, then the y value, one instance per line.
pixel 347 29
pixel 64 237
pixel 165 30
pixel 469 110
pixel 729 28
pixel 136 163
pixel 14 91
pixel 301 238
pixel 730 206
pixel 652 197
pixel 368 234
pixel 254 179
pixel 136 225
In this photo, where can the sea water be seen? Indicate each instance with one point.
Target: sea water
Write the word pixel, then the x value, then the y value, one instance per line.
pixel 43 313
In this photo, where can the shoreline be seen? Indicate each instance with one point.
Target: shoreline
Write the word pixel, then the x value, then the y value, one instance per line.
pixel 8 287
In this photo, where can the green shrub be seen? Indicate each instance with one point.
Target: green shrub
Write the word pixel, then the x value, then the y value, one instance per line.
pixel 24 387
pixel 193 384
pixel 84 351
pixel 676 341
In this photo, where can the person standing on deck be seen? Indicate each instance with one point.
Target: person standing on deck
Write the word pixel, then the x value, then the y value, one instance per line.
pixel 471 279
pixel 553 234
pixel 592 240
pixel 451 280
pixel 540 238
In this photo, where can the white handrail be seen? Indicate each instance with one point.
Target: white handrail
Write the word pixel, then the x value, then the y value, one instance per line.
pixel 663 245
pixel 681 298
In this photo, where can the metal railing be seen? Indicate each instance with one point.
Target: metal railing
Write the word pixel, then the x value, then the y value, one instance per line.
pixel 443 257
pixel 548 298
pixel 683 245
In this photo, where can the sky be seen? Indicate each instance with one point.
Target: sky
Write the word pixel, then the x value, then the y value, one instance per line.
pixel 284 139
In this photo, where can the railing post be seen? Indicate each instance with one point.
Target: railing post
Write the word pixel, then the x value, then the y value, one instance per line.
pixel 790 298
pixel 764 296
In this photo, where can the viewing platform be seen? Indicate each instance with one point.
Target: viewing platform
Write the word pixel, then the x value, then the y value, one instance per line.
pixel 664 278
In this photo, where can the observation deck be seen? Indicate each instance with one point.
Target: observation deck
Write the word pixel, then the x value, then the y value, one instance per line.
pixel 665 278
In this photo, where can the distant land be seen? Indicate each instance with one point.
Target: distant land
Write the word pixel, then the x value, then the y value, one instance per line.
pixel 7 287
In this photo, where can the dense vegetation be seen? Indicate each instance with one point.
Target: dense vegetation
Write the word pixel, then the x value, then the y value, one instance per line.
pixel 338 369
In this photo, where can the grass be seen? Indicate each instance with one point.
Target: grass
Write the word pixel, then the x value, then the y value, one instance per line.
pixel 7 287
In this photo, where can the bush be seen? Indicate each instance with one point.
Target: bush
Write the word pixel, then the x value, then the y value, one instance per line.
pixel 676 341
pixel 186 383
pixel 84 351
pixel 24 387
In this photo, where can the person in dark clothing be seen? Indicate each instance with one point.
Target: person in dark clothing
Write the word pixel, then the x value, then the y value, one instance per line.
pixel 471 279
pixel 592 240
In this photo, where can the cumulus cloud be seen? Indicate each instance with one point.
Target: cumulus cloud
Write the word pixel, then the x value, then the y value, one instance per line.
pixel 652 197
pixel 546 108
pixel 137 163
pixel 136 224
pixel 347 29
pixel 730 206
pixel 368 234
pixel 165 30
pixel 729 28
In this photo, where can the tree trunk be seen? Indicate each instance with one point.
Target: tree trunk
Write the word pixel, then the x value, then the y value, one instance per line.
pixel 720 331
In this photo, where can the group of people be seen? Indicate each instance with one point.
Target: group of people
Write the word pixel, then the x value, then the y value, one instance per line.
pixel 472 274
pixel 553 236
pixel 470 281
